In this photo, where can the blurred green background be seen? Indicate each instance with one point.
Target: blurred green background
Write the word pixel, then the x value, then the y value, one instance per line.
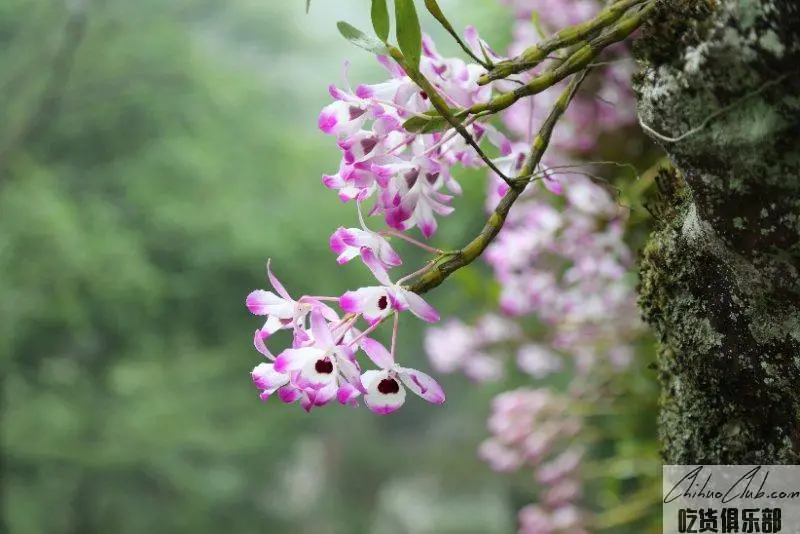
pixel 152 156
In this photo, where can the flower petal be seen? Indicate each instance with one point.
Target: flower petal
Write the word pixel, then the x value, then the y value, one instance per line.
pixel 337 241
pixel 327 312
pixel 377 353
pixel 370 376
pixel 307 400
pixel 258 343
pixel 350 371
pixel 289 394
pixel 326 394
pixel 265 377
pixel 347 255
pixel 387 254
pixel 419 307
pixel 347 394
pixel 374 265
pixel 272 325
pixel 295 359
pixel 423 385
pixel 320 330
pixel 261 302
pixel 276 285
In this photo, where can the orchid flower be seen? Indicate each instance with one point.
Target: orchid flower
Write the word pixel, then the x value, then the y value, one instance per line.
pixel 385 388
pixel 348 112
pixel 350 242
pixel 282 310
pixel 375 303
pixel 320 362
pixel 267 379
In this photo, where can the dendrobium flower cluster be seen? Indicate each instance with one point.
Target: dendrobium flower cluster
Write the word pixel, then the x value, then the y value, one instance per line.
pixel 529 427
pixel 405 172
pixel 560 259
pixel 321 364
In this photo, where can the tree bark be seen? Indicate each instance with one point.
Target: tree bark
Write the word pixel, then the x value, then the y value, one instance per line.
pixel 719 275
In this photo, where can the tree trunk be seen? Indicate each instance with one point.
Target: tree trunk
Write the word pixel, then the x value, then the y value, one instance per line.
pixel 719 275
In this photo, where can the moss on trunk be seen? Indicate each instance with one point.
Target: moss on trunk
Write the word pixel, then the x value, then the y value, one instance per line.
pixel 720 280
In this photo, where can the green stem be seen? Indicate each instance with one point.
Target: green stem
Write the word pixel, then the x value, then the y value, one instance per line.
pixel 567 37
pixel 446 264
pixel 436 11
pixel 577 61
pixel 444 110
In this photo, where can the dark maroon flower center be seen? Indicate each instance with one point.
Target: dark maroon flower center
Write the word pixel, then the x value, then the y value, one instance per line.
pixel 520 160
pixel 355 112
pixel 424 95
pixel 368 144
pixel 324 367
pixel 383 302
pixel 411 177
pixel 387 386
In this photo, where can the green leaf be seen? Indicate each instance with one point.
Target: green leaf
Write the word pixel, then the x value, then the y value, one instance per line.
pixel 361 39
pixel 380 19
pixel 431 122
pixel 409 34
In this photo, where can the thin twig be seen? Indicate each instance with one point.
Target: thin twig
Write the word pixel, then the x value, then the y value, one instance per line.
pixel 446 264
pixel 436 12
pixel 534 55
pixel 438 103
pixel 578 60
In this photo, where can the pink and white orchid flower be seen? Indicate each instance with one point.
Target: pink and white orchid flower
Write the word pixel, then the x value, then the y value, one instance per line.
pixel 350 242
pixel 385 388
pixel 267 379
pixel 320 362
pixel 282 310
pixel 375 303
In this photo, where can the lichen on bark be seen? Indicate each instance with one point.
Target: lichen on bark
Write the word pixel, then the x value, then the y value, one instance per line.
pixel 719 276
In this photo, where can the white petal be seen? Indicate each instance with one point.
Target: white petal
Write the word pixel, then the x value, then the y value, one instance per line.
pixel 368 377
pixel 272 325
pixel 261 302
pixel 265 377
pixel 295 359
